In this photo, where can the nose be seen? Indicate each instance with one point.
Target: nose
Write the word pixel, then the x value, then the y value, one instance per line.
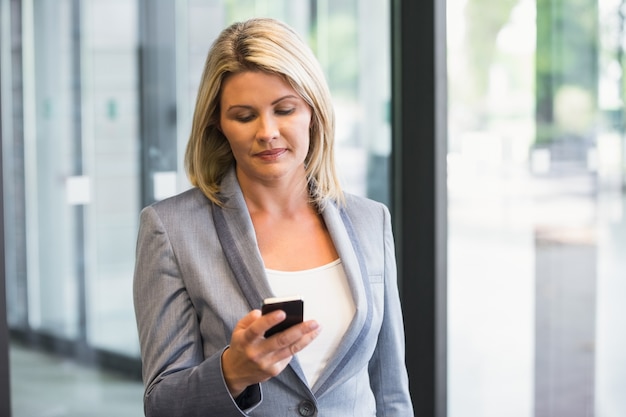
pixel 267 128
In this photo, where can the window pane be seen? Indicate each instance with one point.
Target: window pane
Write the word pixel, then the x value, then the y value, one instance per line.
pixel 50 152
pixel 536 186
pixel 110 136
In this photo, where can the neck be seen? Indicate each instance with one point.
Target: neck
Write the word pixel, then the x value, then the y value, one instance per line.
pixel 278 197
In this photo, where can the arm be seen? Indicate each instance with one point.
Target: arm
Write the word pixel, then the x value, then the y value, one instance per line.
pixel 387 368
pixel 179 380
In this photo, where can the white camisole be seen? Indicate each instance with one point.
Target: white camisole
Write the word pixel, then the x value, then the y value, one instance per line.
pixel 328 300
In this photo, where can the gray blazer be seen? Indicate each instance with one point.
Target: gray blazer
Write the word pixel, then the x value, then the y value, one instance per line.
pixel 199 270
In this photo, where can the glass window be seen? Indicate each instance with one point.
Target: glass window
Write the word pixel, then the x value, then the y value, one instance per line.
pixel 78 87
pixel 111 160
pixel 536 186
pixel 53 178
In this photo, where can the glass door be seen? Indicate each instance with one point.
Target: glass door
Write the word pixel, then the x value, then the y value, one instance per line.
pixel 537 215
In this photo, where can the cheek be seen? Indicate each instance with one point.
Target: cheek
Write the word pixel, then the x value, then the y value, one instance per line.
pixel 231 138
pixel 232 133
pixel 235 146
pixel 305 126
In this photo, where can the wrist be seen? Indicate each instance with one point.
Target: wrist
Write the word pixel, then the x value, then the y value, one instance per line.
pixel 234 384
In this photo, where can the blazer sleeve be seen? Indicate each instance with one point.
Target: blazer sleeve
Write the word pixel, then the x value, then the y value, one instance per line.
pixel 179 380
pixel 387 368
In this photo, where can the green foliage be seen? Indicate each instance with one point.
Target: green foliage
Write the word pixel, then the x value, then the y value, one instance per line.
pixel 567 56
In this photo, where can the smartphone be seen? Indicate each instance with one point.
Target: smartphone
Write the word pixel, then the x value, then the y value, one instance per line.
pixel 292 306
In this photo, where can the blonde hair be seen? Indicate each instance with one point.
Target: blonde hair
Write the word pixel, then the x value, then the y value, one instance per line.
pixel 270 46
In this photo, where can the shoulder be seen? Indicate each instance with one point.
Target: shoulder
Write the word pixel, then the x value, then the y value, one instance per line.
pixel 358 207
pixel 368 217
pixel 178 207
pixel 187 199
pixel 179 217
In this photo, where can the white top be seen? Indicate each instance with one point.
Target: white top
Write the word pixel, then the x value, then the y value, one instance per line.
pixel 328 300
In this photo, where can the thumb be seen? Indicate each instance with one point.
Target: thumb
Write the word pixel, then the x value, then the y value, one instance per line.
pixel 248 319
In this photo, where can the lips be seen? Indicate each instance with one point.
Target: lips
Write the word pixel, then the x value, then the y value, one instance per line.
pixel 271 153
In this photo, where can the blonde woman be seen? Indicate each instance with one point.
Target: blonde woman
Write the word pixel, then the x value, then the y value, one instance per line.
pixel 267 218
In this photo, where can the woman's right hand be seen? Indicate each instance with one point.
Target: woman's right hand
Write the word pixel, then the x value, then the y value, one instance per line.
pixel 251 358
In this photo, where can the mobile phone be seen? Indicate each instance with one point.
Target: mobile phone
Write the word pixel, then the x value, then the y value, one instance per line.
pixel 292 306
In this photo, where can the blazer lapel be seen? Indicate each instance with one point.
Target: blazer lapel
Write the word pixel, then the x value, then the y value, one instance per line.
pixel 347 245
pixel 236 234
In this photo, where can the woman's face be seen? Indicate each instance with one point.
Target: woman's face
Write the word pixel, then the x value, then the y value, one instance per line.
pixel 267 126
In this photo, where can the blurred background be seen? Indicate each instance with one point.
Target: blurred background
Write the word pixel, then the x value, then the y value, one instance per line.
pixel 96 104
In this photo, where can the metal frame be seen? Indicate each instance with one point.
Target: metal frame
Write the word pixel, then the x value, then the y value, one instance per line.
pixel 420 193
pixel 5 386
pixel 157 85
pixel 82 348
pixel 5 389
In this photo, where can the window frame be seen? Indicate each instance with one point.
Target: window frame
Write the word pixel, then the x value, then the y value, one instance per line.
pixel 419 194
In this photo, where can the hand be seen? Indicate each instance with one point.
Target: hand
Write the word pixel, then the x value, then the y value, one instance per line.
pixel 251 358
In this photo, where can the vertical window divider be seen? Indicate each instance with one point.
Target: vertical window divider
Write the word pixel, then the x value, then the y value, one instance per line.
pixel 157 89
pixel 419 202
pixel 5 392
pixel 83 349
pixel 5 382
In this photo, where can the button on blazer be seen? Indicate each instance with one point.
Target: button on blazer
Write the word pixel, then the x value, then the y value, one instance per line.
pixel 198 271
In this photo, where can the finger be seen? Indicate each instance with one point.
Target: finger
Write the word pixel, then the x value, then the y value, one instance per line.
pixel 269 320
pixel 262 323
pixel 294 339
pixel 242 328
pixel 297 332
pixel 247 320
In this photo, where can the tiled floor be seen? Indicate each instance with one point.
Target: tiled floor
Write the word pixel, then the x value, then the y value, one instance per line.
pixel 47 386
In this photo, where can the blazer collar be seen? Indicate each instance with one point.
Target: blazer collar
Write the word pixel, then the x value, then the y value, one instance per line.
pixel 238 240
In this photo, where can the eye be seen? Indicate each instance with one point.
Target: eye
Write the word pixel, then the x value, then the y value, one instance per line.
pixel 244 118
pixel 285 111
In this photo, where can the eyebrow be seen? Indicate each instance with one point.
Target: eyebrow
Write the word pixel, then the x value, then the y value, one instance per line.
pixel 278 100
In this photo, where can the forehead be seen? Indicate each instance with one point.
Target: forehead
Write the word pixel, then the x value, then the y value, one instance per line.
pixel 255 83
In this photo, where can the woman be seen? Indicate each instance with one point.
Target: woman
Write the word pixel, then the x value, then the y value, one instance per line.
pixel 267 218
